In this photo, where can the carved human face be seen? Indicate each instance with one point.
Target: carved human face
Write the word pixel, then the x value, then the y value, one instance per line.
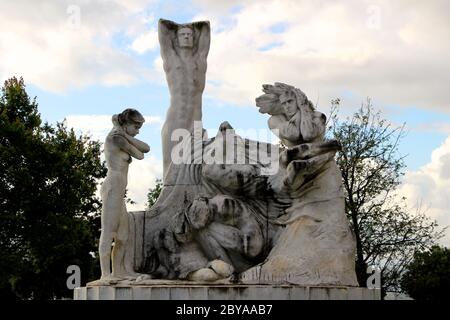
pixel 185 38
pixel 132 128
pixel 289 107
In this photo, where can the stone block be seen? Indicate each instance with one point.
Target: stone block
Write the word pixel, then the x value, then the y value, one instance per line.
pixel 224 292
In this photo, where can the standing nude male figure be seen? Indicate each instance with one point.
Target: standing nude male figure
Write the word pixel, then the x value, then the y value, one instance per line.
pixel 184 49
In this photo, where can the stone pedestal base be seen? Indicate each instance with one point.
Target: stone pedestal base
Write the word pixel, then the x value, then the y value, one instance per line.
pixel 224 292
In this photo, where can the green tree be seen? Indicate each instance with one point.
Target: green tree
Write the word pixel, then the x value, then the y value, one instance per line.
pixel 153 193
pixel 428 275
pixel 387 232
pixel 49 215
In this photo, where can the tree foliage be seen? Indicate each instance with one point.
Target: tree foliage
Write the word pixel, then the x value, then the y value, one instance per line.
pixel 153 193
pixel 387 232
pixel 428 275
pixel 49 212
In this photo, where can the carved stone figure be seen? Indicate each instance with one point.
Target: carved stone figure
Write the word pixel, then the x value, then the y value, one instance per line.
pixel 316 245
pixel 184 49
pixel 120 147
pixel 229 221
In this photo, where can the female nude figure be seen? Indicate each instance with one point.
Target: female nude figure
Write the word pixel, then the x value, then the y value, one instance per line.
pixel 120 147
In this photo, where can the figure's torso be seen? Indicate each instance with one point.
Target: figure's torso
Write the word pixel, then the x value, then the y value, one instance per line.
pixel 186 80
pixel 117 160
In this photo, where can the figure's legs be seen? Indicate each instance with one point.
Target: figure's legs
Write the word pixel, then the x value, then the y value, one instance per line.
pixel 104 249
pixel 229 237
pixel 212 249
pixel 118 254
pixel 220 265
pixel 238 230
pixel 109 222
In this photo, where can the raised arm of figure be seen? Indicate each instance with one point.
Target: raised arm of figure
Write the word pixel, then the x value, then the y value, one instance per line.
pixel 203 40
pixel 140 145
pixel 126 146
pixel 166 33
pixel 290 130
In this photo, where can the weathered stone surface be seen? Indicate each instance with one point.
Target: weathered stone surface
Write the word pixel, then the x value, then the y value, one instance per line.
pixel 231 210
pixel 194 291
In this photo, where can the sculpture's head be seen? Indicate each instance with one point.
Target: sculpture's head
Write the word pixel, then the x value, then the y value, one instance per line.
pixel 304 122
pixel 185 36
pixel 131 121
pixel 289 104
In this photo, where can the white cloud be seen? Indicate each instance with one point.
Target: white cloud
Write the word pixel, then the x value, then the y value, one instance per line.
pixel 145 42
pixel 441 127
pixel 142 176
pixel 394 52
pixel 61 45
pixel 153 120
pixel 430 187
pixel 391 51
pixel 96 126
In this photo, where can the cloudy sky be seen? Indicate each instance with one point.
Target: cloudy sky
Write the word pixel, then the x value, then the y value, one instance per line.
pixel 88 59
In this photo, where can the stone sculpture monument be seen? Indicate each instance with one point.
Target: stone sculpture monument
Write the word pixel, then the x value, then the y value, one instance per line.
pixel 233 211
